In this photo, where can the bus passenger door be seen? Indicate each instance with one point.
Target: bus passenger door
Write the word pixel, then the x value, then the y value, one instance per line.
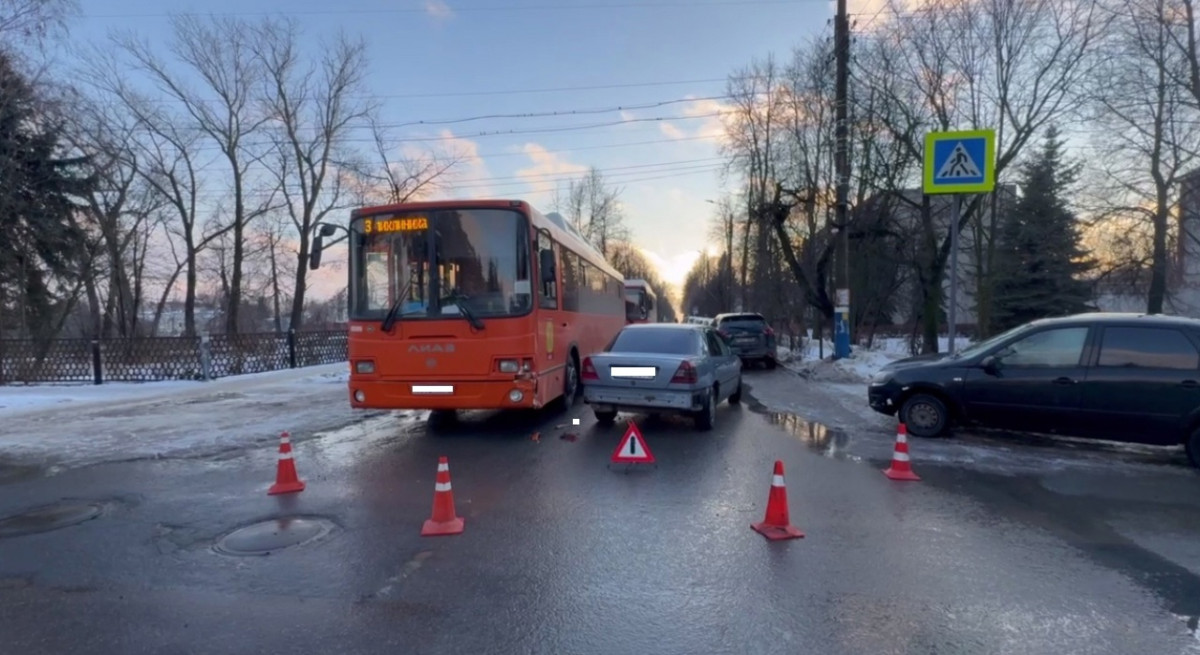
pixel 549 330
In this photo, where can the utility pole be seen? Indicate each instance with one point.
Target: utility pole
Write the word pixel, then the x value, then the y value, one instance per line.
pixel 841 163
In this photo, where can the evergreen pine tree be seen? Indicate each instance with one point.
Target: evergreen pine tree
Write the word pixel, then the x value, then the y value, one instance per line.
pixel 41 247
pixel 1039 262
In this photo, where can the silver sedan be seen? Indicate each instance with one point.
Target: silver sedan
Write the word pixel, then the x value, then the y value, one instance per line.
pixel 663 367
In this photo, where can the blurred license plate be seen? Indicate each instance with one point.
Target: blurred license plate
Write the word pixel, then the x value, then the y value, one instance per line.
pixel 745 339
pixel 633 371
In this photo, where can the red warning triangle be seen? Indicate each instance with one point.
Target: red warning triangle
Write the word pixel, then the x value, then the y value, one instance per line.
pixel 633 448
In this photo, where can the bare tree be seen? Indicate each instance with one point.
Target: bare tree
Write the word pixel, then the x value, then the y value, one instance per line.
pixel 313 108
pixel 594 208
pixel 394 179
pixel 933 72
pixel 1151 133
pixel 33 19
pixel 234 75
pixel 121 212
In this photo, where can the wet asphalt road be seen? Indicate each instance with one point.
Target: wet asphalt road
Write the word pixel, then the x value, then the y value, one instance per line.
pixel 563 555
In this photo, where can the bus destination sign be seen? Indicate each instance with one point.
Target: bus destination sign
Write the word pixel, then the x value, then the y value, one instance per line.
pixel 411 224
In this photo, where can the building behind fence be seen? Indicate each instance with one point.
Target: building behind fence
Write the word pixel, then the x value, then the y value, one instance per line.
pixel 152 359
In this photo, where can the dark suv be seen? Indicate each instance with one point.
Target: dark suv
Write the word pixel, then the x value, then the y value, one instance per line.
pixel 1120 377
pixel 749 336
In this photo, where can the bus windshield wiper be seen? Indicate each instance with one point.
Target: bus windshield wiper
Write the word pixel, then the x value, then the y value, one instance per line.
pixel 460 301
pixel 389 319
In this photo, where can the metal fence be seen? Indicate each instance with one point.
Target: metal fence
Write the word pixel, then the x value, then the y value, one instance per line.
pixel 152 359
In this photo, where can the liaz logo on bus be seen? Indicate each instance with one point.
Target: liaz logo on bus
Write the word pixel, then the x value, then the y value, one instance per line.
pixel 431 348
pixel 412 224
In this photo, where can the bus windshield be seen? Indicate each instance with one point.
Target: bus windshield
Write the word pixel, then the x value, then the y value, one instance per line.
pixel 639 303
pixel 439 263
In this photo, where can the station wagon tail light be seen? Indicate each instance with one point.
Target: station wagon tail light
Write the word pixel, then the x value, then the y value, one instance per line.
pixel 723 333
pixel 589 370
pixel 366 367
pixel 768 331
pixel 685 374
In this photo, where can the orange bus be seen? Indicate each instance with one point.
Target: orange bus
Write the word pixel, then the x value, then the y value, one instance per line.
pixel 444 313
pixel 640 302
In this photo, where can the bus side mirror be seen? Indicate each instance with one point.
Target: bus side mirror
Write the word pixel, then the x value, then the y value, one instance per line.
pixel 546 263
pixel 328 230
pixel 314 258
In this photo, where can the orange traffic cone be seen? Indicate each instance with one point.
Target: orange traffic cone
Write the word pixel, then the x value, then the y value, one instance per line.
pixel 775 525
pixel 286 480
pixel 443 520
pixel 901 468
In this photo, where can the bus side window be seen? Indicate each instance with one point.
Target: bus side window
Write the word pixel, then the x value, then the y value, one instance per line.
pixel 548 298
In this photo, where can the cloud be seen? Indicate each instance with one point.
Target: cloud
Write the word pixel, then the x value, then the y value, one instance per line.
pixel 710 128
pixel 671 132
pixel 470 175
pixel 548 169
pixel 438 10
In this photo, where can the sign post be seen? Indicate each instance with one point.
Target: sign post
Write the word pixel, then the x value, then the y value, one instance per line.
pixel 958 163
pixel 841 325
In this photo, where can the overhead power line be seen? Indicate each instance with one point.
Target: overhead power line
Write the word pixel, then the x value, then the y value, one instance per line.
pixel 649 4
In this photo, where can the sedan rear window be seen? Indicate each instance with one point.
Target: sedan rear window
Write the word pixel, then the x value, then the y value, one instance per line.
pixel 748 321
pixel 655 340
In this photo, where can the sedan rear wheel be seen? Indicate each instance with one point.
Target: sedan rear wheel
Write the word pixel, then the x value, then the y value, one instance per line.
pixel 707 416
pixel 736 397
pixel 605 419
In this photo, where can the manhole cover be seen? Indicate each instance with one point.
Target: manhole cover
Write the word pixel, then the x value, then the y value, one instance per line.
pixel 265 537
pixel 50 517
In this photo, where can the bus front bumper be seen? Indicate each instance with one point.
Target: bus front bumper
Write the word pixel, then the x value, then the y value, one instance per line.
pixel 443 394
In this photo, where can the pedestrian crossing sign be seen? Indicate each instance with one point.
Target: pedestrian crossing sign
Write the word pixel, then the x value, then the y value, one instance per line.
pixel 960 162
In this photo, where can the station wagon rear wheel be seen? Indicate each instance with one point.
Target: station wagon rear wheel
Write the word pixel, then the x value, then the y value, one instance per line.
pixel 1193 448
pixel 736 396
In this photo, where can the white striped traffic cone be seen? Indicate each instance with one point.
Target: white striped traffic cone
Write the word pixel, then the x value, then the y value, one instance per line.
pixel 286 480
pixel 901 468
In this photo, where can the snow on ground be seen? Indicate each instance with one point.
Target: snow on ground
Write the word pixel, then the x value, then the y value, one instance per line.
pixel 65 426
pixel 16 400
pixel 808 362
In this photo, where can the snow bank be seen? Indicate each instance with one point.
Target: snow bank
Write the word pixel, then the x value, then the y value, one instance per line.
pixel 20 400
pixel 68 426
pixel 808 362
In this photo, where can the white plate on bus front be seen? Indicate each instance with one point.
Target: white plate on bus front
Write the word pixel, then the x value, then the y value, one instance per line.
pixel 646 372
pixel 432 388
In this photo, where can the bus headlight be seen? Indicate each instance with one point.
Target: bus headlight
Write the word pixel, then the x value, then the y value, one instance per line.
pixel 360 396
pixel 516 395
pixel 509 366
pixel 365 367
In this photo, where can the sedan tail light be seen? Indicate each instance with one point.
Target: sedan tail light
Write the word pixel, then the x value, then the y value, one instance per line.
pixel 768 331
pixel 589 370
pixel 685 374
pixel 724 333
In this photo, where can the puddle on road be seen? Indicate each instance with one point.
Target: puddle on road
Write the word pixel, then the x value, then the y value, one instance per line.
pixel 827 441
pixel 10 473
pixel 266 537
pixel 49 517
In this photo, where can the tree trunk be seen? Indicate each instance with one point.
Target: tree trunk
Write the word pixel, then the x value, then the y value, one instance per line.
pixel 239 227
pixel 1158 268
pixel 301 282
pixel 189 294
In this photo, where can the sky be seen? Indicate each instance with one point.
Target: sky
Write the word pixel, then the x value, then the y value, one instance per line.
pixel 438 60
